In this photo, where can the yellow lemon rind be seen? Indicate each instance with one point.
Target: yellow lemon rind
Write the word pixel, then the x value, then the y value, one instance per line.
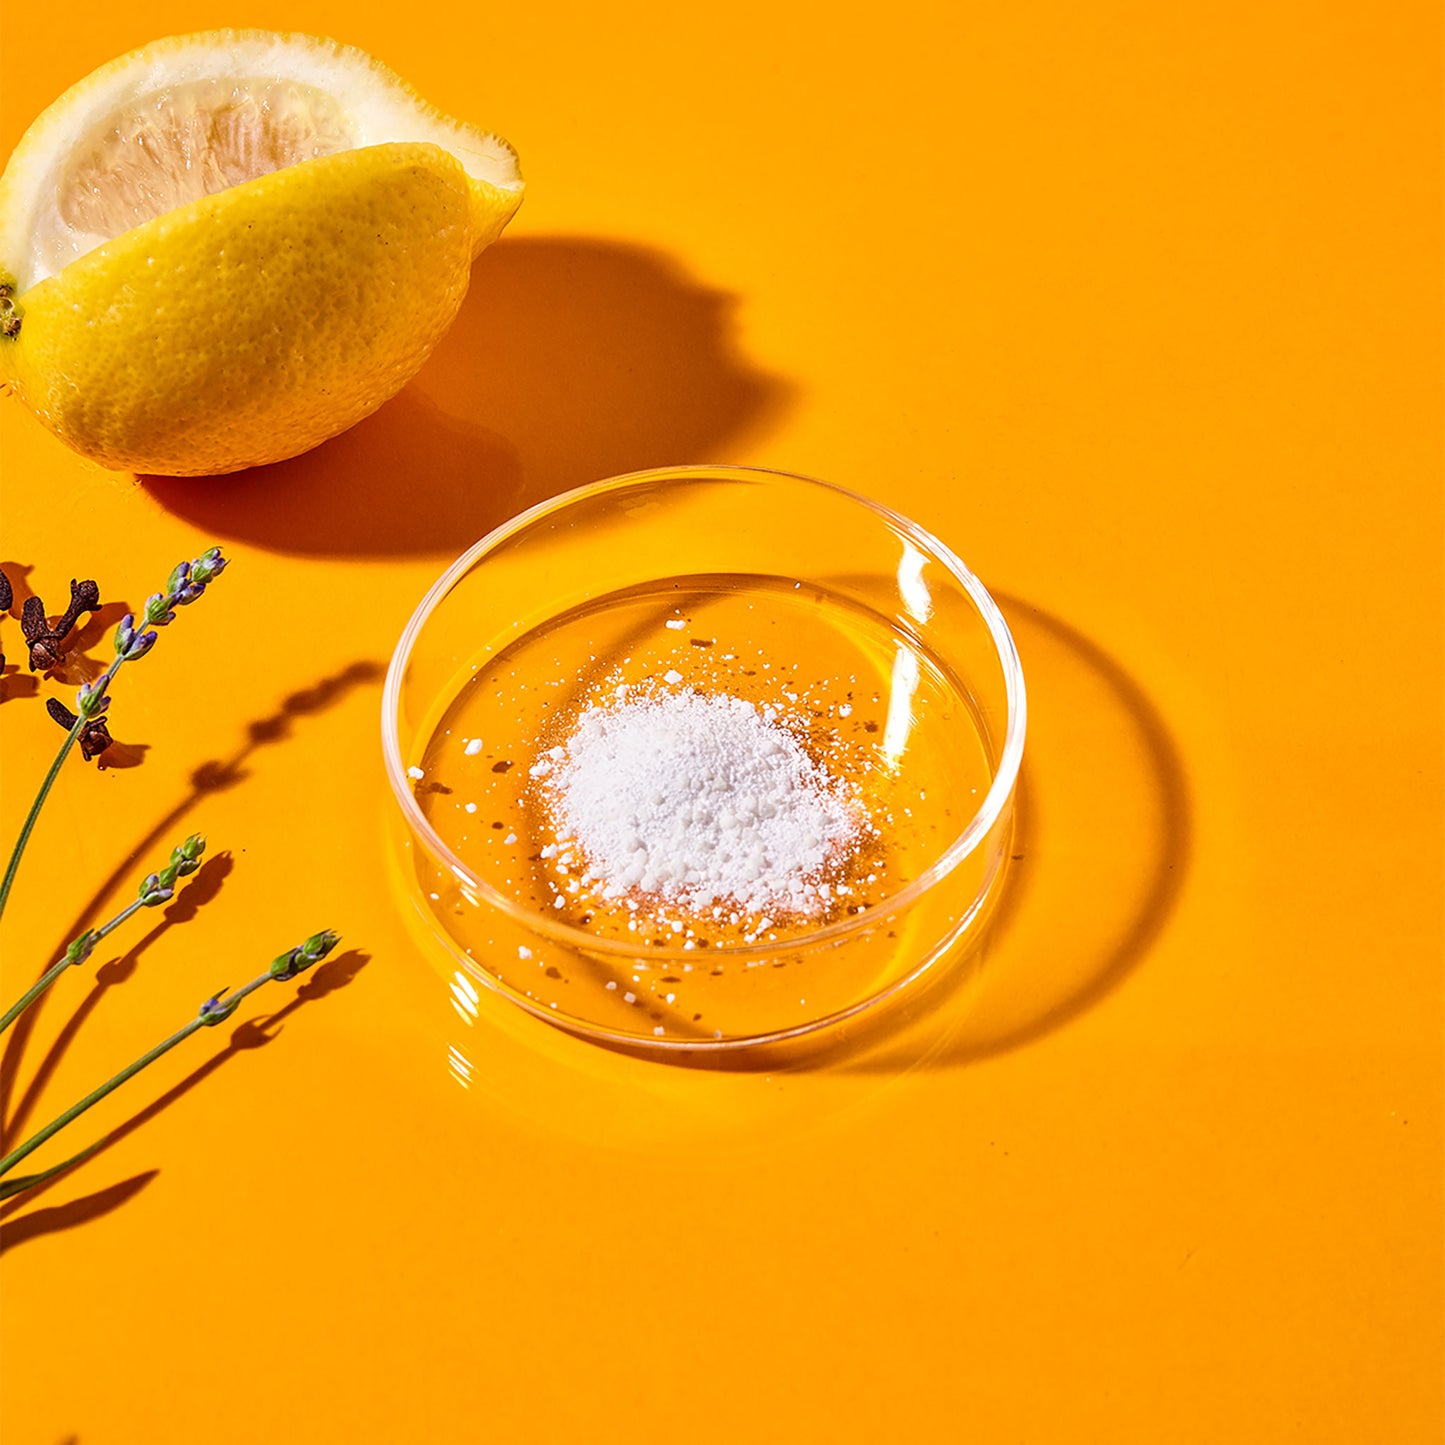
pixel 233 331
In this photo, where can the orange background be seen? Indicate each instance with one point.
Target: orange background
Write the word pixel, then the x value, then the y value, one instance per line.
pixel 1138 307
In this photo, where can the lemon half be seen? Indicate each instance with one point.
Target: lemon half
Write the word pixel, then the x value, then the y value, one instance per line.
pixel 224 248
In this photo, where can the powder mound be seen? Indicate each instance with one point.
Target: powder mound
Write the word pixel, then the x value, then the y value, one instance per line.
pixel 698 800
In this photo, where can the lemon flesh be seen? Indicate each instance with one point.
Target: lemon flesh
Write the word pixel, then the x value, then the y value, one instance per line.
pixel 222 249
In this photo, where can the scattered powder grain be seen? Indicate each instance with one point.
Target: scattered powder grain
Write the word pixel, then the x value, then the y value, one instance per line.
pixel 698 801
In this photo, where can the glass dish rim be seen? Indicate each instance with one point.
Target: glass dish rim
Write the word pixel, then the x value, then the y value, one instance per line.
pixel 972 834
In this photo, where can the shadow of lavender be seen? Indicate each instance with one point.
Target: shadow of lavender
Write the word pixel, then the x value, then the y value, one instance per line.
pixel 334 974
pixel 214 776
pixel 200 890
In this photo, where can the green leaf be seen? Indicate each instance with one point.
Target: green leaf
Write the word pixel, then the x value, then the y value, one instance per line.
pixel 11 1187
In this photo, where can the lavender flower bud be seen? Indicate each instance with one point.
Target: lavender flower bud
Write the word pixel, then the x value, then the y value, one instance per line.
pixel 180 575
pixel 217 1010
pixel 91 701
pixel 319 945
pixel 141 645
pixel 187 858
pixel 284 965
pixel 298 960
pixel 188 594
pixel 80 949
pixel 158 611
pixel 155 890
pixel 208 566
pixel 124 634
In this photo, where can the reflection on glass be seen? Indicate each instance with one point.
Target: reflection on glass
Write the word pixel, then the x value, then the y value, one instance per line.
pixel 902 686
pixel 460 1066
pixel 465 885
pixel 911 586
pixel 464 996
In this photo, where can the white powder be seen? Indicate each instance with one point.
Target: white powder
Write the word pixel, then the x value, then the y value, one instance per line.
pixel 698 801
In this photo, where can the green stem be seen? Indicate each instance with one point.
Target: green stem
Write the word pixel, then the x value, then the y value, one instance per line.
pixel 145 1060
pixel 16 1009
pixel 44 792
pixel 132 907
pixel 76 1110
pixel 34 812
pixel 28 998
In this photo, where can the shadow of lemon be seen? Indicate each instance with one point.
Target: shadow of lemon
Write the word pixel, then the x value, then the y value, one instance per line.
pixel 573 359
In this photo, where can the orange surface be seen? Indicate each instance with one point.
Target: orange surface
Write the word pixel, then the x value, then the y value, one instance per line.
pixel 1138 307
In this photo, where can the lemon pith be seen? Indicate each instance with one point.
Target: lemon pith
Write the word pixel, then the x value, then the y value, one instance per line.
pixel 245 325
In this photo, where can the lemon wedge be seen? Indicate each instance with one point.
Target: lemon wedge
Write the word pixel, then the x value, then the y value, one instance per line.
pixel 224 248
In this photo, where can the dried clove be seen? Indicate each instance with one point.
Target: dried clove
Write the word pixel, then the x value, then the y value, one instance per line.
pixel 45 639
pixel 188 582
pixel 94 737
pixel 7 598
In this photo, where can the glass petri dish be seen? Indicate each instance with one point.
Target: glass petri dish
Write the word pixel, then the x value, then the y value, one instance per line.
pixel 858 643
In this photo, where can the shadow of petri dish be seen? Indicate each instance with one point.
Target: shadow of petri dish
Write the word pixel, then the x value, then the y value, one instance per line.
pixel 1100 855
pixel 572 359
pixel 1102 842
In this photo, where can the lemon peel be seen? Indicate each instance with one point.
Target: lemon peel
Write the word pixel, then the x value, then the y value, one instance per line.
pixel 222 249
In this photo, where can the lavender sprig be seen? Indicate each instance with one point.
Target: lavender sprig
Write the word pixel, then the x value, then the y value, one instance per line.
pixel 187 582
pixel 155 889
pixel 215 1010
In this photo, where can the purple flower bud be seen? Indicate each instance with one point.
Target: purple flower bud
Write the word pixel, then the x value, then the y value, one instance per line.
pixel 286 965
pixel 124 634
pixel 216 1010
pixel 298 960
pixel 80 949
pixel 208 566
pixel 180 575
pixel 158 611
pixel 320 944
pixel 188 594
pixel 90 701
pixel 140 646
